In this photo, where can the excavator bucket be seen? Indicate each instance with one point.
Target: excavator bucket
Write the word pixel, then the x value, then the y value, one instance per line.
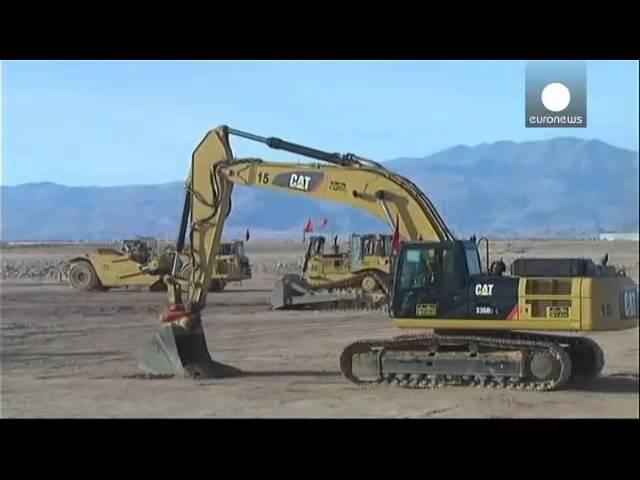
pixel 181 351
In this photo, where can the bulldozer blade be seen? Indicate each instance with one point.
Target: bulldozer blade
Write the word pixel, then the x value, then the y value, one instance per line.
pixel 182 352
pixel 285 289
pixel 291 292
pixel 278 295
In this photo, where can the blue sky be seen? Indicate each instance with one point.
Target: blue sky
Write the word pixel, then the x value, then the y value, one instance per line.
pixel 129 122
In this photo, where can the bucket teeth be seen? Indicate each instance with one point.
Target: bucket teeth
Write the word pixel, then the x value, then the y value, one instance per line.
pixel 182 352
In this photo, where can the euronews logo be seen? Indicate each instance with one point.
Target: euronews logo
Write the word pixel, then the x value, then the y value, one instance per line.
pixel 556 95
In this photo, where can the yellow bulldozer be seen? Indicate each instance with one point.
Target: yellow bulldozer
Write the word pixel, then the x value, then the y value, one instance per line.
pixel 141 263
pixel 330 277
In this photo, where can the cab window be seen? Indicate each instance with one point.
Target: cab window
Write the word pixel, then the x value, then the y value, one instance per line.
pixel 428 267
pixel 473 261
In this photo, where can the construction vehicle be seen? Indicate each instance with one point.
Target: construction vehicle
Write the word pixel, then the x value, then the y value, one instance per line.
pixel 232 265
pixel 354 279
pixel 486 328
pixel 140 263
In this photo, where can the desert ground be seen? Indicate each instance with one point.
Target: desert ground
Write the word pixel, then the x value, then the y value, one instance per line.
pixel 70 354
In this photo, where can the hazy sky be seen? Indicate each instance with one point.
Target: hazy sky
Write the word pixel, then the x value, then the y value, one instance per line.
pixel 110 123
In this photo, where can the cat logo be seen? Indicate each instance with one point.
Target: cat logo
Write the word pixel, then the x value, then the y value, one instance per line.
pixel 304 181
pixel 484 289
pixel 299 182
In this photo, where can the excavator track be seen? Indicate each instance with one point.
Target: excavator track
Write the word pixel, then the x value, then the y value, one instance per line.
pixel 341 295
pixel 510 360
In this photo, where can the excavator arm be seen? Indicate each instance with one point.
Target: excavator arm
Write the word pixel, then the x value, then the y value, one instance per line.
pixel 180 346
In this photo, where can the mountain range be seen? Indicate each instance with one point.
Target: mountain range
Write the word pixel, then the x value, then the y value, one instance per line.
pixel 564 187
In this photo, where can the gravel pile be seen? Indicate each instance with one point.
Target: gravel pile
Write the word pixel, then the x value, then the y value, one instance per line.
pixel 48 269
pixel 40 269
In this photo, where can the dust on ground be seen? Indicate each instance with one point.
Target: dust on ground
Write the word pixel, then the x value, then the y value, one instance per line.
pixel 72 354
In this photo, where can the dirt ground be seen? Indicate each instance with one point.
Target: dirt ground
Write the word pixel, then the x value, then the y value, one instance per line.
pixel 67 354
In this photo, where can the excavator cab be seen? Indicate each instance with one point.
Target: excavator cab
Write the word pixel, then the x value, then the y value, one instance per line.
pixel 445 280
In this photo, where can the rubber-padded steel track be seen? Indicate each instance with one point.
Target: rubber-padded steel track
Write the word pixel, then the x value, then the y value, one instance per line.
pixel 567 357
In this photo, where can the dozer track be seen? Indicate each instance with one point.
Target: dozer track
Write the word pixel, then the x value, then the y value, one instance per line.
pixel 510 360
pixel 294 292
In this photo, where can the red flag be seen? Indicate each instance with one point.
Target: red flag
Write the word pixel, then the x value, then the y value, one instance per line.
pixel 308 227
pixel 323 223
pixel 246 236
pixel 395 244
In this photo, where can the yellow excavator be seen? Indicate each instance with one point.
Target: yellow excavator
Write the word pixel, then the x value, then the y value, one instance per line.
pixel 493 328
pixel 357 278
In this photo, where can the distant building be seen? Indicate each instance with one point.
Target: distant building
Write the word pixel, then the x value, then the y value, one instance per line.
pixel 620 236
